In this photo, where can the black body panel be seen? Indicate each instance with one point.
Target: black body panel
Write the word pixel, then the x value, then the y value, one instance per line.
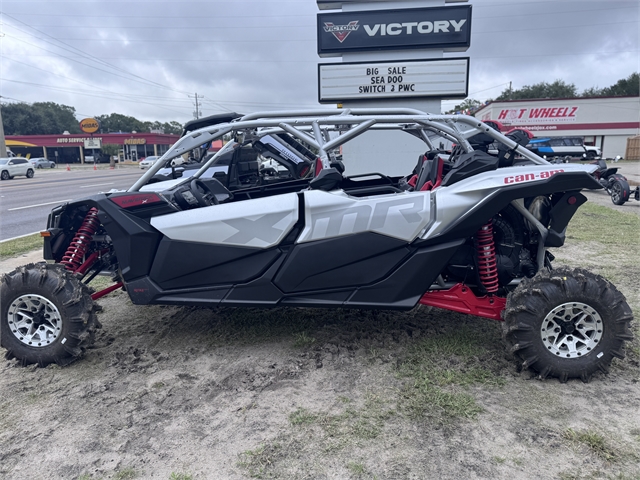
pixel 399 289
pixel 192 265
pixel 340 262
pixel 404 287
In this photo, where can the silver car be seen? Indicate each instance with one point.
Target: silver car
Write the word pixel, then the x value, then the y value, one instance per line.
pixel 147 162
pixel 41 162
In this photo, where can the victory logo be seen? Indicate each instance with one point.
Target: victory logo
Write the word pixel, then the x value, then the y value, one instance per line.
pixel 341 32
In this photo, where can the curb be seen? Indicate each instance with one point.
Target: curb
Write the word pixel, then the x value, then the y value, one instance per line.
pixel 19 236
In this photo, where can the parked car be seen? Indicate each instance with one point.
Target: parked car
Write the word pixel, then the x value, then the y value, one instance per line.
pixel 147 162
pixel 10 167
pixel 564 147
pixel 42 162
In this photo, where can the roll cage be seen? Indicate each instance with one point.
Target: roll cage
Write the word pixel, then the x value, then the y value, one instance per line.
pixel 327 130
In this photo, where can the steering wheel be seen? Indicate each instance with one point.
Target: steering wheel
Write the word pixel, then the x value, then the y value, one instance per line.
pixel 203 193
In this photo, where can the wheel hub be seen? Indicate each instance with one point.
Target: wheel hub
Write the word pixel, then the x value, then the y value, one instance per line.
pixel 34 320
pixel 572 330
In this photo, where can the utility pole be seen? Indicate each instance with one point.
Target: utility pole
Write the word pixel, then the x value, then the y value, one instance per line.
pixel 3 143
pixel 197 112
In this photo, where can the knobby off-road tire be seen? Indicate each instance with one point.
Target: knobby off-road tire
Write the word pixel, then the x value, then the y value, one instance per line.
pixel 567 323
pixel 47 315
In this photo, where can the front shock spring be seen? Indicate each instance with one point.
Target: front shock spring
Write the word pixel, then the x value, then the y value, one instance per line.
pixel 487 263
pixel 79 246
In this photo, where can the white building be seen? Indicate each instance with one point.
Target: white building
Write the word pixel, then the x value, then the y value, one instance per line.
pixel 605 122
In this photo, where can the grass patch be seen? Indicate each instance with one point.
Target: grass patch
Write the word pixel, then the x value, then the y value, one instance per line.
pixel 592 222
pixel 356 468
pixel 180 476
pixel 302 417
pixel 596 443
pixel 16 247
pixel 301 340
pixel 351 424
pixel 125 474
pixel 447 360
pixel 260 461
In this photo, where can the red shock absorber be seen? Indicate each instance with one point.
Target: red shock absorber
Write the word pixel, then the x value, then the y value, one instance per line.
pixel 487 263
pixel 74 256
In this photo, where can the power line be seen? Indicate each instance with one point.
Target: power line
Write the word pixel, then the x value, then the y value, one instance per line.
pixel 88 56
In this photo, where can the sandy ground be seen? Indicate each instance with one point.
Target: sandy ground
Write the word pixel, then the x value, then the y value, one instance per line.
pixel 184 393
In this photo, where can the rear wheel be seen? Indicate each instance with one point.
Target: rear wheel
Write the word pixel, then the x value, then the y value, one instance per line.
pixel 4 175
pixel 567 323
pixel 620 192
pixel 47 315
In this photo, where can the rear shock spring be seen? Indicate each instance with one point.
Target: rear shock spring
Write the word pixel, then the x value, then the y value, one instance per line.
pixel 74 256
pixel 487 263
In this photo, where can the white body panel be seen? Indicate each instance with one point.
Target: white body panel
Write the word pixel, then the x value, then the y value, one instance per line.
pixel 462 198
pixel 335 214
pixel 260 223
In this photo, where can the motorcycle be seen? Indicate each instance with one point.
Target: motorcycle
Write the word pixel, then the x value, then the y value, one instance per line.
pixel 615 184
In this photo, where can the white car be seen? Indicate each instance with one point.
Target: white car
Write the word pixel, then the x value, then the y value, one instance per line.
pixel 10 167
pixel 147 162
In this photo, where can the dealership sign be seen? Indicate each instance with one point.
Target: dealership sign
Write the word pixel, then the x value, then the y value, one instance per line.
pixel 448 28
pixel 538 115
pixel 438 78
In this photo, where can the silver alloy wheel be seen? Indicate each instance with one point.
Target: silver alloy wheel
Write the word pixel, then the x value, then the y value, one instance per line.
pixel 572 330
pixel 34 320
pixel 616 192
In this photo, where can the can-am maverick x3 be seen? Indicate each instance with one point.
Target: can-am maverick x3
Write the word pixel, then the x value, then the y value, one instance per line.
pixel 466 231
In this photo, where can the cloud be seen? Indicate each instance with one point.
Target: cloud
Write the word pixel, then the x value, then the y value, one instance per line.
pixel 145 58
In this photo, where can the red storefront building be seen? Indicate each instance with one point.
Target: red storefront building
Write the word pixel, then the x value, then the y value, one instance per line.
pixel 74 148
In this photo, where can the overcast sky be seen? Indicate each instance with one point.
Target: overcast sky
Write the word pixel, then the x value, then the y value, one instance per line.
pixel 143 58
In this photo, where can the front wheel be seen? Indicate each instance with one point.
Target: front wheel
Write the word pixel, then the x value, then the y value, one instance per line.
pixel 47 315
pixel 567 323
pixel 30 173
pixel 620 192
pixel 53 165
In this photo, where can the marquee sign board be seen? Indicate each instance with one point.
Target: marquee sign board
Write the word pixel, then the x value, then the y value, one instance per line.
pixel 92 142
pixel 438 78
pixel 409 28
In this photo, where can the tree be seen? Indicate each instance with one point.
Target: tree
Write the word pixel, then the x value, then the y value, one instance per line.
pixel 40 118
pixel 623 87
pixel 110 149
pixel 116 122
pixel 470 104
pixel 557 89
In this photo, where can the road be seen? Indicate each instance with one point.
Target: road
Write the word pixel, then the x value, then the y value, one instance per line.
pixel 26 202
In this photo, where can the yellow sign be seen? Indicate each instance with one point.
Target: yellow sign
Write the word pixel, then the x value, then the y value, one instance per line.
pixel 135 141
pixel 89 125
